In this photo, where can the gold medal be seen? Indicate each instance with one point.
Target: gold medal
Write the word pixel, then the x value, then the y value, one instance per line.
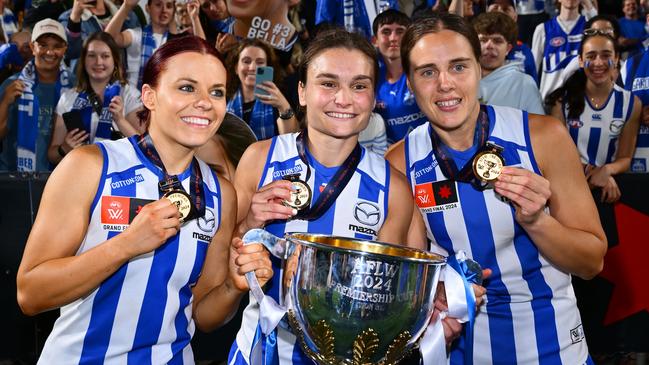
pixel 300 195
pixel 488 165
pixel 182 200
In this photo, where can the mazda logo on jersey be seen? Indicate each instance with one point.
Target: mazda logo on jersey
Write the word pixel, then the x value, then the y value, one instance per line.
pixel 367 213
pixel 616 127
pixel 208 221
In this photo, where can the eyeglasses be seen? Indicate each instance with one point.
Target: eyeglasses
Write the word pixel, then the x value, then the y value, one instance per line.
pixel 605 32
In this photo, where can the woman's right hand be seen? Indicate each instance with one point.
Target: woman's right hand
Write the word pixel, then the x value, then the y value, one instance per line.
pixel 266 204
pixel 78 6
pixel 154 224
pixel 73 139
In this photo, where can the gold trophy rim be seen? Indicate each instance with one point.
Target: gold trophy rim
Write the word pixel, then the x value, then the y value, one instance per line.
pixel 364 247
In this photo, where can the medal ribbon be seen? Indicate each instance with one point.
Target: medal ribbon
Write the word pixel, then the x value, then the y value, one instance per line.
pixel 169 183
pixel 334 187
pixel 445 160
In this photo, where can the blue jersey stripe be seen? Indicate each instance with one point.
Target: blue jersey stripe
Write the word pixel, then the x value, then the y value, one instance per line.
pixel 102 181
pixel 183 337
pixel 150 319
pixel 593 144
pixel 474 210
pixel 544 317
pixel 619 104
pixel 104 306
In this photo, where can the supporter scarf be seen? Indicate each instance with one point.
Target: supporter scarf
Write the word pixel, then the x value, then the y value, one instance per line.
pixel 262 119
pixel 84 104
pixel 28 110
pixel 9 24
pixel 148 47
pixel 356 14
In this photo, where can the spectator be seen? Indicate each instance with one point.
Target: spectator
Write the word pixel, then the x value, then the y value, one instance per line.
pixel 503 83
pixel 9 23
pixel 635 75
pixel 520 52
pixel 394 100
pixel 354 16
pixel 531 13
pixel 373 137
pixel 29 98
pixel 87 17
pixel 140 43
pixel 602 118
pixel 633 31
pixel 187 18
pixel 102 100
pixel 267 115
pixel 556 42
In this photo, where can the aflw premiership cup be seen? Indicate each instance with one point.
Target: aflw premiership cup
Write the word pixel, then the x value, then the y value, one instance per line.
pixel 351 301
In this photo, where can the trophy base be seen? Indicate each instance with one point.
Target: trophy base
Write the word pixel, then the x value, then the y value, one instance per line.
pixel 364 346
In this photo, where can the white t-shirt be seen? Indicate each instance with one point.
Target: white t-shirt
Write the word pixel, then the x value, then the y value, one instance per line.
pixel 134 54
pixel 130 98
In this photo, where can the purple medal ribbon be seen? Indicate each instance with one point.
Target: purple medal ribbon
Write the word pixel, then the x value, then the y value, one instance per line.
pixel 170 182
pixel 334 187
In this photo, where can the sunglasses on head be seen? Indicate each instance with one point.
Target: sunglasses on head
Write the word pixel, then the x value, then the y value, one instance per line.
pixel 593 31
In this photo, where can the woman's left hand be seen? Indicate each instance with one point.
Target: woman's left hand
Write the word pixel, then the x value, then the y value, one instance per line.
pixel 598 176
pixel 610 192
pixel 275 98
pixel 116 107
pixel 528 191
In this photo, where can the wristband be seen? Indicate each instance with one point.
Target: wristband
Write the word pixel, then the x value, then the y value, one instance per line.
pixel 288 114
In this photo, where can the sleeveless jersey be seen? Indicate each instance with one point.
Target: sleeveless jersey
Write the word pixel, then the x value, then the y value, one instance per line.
pixel 142 313
pixel 560 48
pixel 640 160
pixel 530 314
pixel 397 106
pixel 636 79
pixel 359 211
pixel 596 132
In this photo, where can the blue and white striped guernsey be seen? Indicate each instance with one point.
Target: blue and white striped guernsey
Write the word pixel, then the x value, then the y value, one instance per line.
pixel 359 211
pixel 530 314
pixel 142 314
pixel 596 132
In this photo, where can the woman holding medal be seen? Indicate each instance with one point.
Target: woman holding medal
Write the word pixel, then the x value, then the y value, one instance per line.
pixel 102 100
pixel 508 189
pixel 132 238
pixel 602 118
pixel 321 180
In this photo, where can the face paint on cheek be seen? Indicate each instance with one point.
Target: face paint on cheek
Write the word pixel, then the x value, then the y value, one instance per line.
pixel 587 64
pixel 610 63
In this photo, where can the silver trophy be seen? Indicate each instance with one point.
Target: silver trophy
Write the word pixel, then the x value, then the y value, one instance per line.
pixel 354 301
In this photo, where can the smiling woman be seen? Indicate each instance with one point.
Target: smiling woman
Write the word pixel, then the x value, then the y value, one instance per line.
pixel 521 205
pixel 102 103
pixel 314 181
pixel 118 242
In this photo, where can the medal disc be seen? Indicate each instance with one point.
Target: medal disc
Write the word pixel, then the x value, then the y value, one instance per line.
pixel 487 166
pixel 182 201
pixel 300 196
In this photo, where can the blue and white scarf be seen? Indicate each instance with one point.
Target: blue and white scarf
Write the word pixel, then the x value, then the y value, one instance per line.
pixel 262 118
pixel 9 24
pixel 104 126
pixel 148 47
pixel 28 109
pixel 356 15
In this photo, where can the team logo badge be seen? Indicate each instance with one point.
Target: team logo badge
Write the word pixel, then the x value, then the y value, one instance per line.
pixel 557 41
pixel 436 196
